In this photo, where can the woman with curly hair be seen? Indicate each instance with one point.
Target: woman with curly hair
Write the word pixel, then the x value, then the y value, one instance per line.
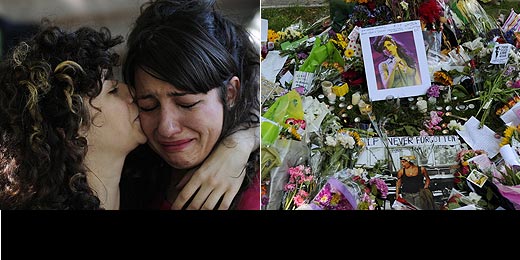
pixel 61 141
pixel 66 125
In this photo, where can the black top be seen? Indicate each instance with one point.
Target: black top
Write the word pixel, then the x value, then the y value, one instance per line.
pixel 412 184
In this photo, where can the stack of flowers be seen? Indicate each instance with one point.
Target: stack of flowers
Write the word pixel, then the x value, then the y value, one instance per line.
pixel 350 189
pixel 462 41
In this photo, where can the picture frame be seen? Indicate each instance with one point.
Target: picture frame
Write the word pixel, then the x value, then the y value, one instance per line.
pixel 477 178
pixel 395 60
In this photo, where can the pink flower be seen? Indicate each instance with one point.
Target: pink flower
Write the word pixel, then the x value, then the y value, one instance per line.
pixel 381 186
pixel 434 91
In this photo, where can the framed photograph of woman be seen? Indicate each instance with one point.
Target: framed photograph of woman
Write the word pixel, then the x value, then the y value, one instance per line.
pixel 395 60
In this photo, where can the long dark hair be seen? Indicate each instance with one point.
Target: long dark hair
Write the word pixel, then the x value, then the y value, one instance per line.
pixel 42 85
pixel 193 47
pixel 401 51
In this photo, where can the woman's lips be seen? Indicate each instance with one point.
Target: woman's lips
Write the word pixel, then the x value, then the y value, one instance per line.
pixel 175 146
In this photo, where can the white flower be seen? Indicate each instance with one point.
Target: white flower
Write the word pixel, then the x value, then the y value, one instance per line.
pixel 422 105
pixel 358 171
pixel 473 197
pixel 330 141
pixel 346 140
pixel 454 125
pixel 514 56
pixel 404 5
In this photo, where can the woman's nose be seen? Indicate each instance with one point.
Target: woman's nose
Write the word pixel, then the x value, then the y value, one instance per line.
pixel 168 124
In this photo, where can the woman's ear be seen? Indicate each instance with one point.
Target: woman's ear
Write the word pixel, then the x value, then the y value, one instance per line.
pixel 233 88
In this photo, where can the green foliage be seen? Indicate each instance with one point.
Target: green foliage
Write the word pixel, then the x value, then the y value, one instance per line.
pixel 279 18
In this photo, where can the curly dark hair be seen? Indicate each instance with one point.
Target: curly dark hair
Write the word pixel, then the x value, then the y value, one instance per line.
pixel 43 83
pixel 192 46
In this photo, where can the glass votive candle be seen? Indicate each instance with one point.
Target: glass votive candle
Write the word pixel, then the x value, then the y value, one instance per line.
pixel 332 98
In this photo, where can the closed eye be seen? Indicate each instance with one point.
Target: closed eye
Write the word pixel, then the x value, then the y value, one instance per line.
pixel 114 90
pixel 115 87
pixel 188 106
pixel 147 109
pixel 147 104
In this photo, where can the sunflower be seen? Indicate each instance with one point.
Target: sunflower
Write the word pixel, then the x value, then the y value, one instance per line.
pixel 510 133
pixel 272 35
pixel 349 53
pixel 442 77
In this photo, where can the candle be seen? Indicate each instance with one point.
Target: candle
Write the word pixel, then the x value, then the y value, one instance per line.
pixel 326 86
pixel 355 98
pixel 332 98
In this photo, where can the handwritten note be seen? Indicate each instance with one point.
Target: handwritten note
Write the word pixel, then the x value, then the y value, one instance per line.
pixel 480 138
pixel 272 64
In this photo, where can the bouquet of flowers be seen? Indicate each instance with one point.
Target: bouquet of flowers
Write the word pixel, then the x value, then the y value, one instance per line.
pixel 370 191
pixel 335 147
pixel 301 183
pixel 464 167
pixel 507 177
pixel 372 198
pixel 334 195
pixel 374 191
pixel 340 150
pixel 457 200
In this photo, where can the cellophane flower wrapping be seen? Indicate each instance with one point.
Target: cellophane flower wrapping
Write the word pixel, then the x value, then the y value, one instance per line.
pixel 334 195
pixel 512 193
pixel 299 187
pixel 457 200
pixel 286 107
pixel 335 148
pixel 402 204
pixel 505 179
pixel 291 153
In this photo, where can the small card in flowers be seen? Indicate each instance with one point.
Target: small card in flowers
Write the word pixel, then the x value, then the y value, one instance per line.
pixel 477 178
pixel 500 53
pixel 302 81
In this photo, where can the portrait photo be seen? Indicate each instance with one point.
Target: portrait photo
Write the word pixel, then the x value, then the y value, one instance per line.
pixel 395 60
pixel 477 178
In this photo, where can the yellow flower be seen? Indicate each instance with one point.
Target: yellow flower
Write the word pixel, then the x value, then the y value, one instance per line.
pixel 362 1
pixel 509 134
pixel 272 35
pixel 358 139
pixel 324 199
pixel 349 53
pixel 335 199
pixel 341 41
pixel 443 78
